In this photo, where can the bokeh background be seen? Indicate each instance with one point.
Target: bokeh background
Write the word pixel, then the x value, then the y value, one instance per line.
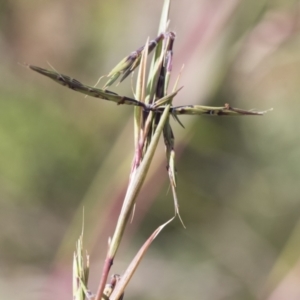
pixel 238 178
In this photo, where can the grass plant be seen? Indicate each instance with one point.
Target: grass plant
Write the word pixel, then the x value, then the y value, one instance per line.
pixel 153 108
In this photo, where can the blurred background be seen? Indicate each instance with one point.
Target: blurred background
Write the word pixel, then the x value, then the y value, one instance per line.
pixel 238 178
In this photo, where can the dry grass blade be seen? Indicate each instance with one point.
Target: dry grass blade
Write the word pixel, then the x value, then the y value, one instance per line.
pixel 225 110
pixel 119 290
pixel 129 63
pixel 170 153
pixel 164 100
pixel 140 94
pixel 86 89
pixel 164 19
pixel 80 272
